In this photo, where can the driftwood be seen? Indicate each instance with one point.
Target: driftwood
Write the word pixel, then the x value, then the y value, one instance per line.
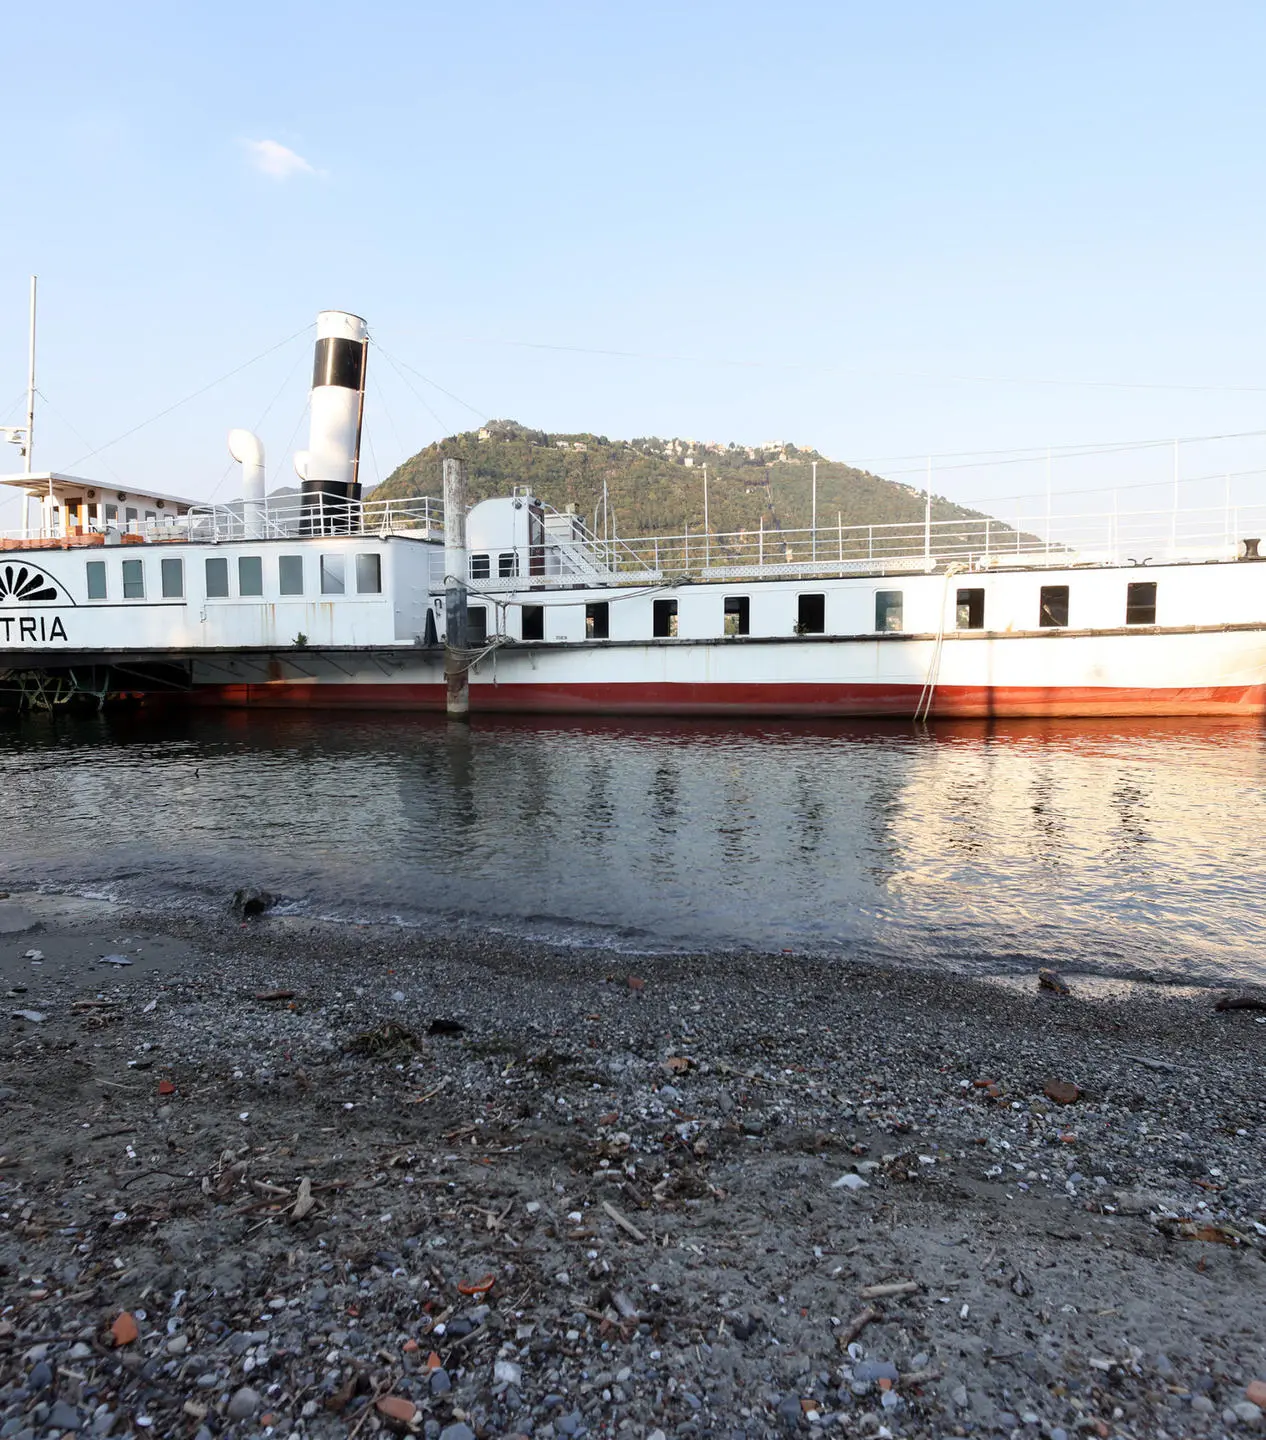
pixel 895 1287
pixel 623 1221
pixel 1241 1002
pixel 855 1327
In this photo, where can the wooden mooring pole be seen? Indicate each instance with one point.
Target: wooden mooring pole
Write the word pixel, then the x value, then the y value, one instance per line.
pixel 456 664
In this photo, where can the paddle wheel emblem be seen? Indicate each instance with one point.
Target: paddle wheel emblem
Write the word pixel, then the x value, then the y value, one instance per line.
pixel 25 584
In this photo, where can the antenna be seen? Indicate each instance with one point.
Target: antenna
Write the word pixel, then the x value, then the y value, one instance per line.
pixel 30 384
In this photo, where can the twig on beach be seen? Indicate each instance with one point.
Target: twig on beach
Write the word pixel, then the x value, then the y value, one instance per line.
pixel 1162 1066
pixel 148 1174
pixel 855 1327
pixel 896 1287
pixel 920 1377
pixel 623 1221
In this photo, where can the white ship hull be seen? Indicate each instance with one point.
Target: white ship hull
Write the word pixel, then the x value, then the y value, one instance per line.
pixel 352 621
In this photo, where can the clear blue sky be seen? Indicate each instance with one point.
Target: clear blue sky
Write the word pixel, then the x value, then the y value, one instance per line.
pixel 900 217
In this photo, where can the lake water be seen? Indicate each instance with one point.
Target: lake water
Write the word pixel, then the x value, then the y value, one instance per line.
pixel 1129 848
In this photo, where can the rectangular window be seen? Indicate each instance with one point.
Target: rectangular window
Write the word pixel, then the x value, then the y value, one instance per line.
pixel 217 577
pixel 477 624
pixel 250 575
pixel 664 619
pixel 810 614
pixel 534 622
pixel 1053 608
pixel 129 515
pixel 151 517
pixel 1140 603
pixel 112 514
pixel 508 564
pixel 290 574
pixel 369 574
pixel 480 567
pixel 889 610
pixel 333 571
pixel 598 620
pixel 96 580
pixel 969 613
pixel 173 579
pixel 133 580
pixel 738 615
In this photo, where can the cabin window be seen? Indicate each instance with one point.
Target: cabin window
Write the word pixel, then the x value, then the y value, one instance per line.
pixel 969 613
pixel 598 620
pixel 810 614
pixel 290 574
pixel 173 579
pixel 217 577
pixel 534 622
pixel 889 610
pixel 129 515
pixel 96 580
pixel 250 575
pixel 151 517
pixel 738 615
pixel 477 624
pixel 480 567
pixel 508 564
pixel 333 571
pixel 1140 603
pixel 664 619
pixel 1053 609
pixel 133 580
pixel 369 574
pixel 112 514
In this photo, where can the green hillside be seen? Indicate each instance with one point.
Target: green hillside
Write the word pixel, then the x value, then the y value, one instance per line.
pixel 655 487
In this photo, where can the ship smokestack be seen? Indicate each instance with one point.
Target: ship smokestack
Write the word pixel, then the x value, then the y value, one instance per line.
pixel 248 450
pixel 332 463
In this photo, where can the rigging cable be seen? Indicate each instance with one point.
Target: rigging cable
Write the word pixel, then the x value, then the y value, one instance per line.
pixel 193 395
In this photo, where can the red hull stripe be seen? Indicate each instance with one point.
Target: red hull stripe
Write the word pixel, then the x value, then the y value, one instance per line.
pixel 960 702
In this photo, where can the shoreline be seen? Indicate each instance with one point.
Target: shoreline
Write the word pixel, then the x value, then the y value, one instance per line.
pixel 1068 1261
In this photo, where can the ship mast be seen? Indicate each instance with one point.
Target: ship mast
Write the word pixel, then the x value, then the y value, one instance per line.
pixel 30 385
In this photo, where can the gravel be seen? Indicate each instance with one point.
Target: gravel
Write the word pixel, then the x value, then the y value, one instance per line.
pixel 590 1207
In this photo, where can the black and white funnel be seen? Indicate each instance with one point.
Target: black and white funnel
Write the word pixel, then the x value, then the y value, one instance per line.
pixel 329 468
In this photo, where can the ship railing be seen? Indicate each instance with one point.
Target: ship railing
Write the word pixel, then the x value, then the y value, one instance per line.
pixel 1112 537
pixel 298 516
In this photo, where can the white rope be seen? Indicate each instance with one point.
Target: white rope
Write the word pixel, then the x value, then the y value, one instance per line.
pixel 923 709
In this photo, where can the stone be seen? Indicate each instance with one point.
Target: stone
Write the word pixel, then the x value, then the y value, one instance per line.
pixel 1256 1392
pixel 244 1404
pixel 1202 1405
pixel 1248 1414
pixel 1062 1092
pixel 458 1431
pixel 789 1410
pixel 41 1376
pixel 396 1407
pixel 872 1370
pixel 66 1417
pixel 250 902
pixel 850 1182
pixel 441 1383
pixel 506 1372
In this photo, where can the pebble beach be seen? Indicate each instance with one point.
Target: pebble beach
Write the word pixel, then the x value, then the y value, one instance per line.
pixel 278 1178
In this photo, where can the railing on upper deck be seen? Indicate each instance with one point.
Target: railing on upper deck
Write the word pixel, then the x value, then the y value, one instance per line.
pixel 296 515
pixel 575 553
pixel 273 519
pixel 1098 539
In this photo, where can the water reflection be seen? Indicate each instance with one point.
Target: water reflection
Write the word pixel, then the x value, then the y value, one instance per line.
pixel 1108 844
